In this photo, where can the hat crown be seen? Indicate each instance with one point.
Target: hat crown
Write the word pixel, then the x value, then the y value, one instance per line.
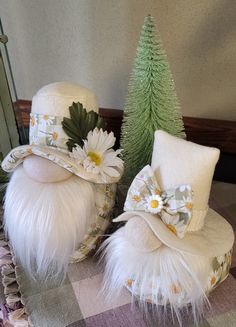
pixel 176 161
pixel 50 105
pixel 56 98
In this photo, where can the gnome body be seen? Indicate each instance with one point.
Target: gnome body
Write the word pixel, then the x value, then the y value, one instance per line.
pixel 173 249
pixel 59 202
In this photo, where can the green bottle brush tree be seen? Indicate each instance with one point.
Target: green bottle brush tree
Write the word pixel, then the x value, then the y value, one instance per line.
pixel 151 103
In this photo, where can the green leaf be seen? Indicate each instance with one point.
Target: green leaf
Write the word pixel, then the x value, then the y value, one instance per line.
pixel 80 124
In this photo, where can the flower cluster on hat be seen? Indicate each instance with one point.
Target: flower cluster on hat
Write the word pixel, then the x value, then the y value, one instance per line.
pixel 97 155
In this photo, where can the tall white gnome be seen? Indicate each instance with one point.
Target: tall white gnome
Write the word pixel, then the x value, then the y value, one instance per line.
pixel 173 249
pixel 61 193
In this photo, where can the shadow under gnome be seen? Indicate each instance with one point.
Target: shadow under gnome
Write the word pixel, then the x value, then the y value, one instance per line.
pixel 60 196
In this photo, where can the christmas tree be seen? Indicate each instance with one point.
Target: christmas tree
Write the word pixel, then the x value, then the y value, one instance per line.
pixel 151 103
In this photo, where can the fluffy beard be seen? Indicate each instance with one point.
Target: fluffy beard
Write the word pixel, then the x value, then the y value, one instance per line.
pixel 156 277
pixel 46 222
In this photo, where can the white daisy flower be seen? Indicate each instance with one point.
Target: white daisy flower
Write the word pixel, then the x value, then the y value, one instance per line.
pixel 78 154
pixel 46 120
pixel 214 278
pixel 134 201
pixel 53 137
pixel 186 205
pixel 176 288
pixel 97 157
pixel 182 188
pixel 104 210
pixel 136 196
pixel 154 204
pixel 221 259
pixel 33 121
pixel 174 224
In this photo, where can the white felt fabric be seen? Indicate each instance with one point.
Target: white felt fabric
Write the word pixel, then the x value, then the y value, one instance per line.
pixel 140 235
pixel 214 239
pixel 55 99
pixel 176 161
pixel 44 171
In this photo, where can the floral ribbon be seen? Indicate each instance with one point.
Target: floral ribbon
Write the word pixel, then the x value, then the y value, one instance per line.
pixel 46 130
pixel 173 206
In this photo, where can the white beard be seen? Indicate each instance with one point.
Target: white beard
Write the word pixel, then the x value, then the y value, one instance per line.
pixel 152 275
pixel 46 222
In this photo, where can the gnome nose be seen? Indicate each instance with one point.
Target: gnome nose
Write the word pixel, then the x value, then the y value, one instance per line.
pixel 44 171
pixel 140 235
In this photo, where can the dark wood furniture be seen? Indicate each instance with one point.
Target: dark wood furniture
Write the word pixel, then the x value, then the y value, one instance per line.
pixel 210 132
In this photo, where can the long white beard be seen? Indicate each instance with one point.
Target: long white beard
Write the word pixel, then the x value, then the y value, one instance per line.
pixel 164 276
pixel 46 222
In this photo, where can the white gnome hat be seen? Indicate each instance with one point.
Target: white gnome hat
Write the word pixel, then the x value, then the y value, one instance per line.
pixel 47 137
pixel 179 181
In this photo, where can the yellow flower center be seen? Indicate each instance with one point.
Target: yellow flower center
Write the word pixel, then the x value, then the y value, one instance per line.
pixel 95 157
pixel 32 121
pixel 129 282
pixel 172 228
pixel 110 194
pixel 54 136
pixel 175 289
pixel 137 198
pixel 213 280
pixel 45 117
pixel 154 204
pixel 105 208
pixel 189 205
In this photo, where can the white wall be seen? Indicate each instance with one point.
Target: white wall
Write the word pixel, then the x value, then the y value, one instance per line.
pixel 93 42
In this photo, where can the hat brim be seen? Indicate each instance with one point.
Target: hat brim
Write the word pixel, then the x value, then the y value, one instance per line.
pixel 59 157
pixel 214 239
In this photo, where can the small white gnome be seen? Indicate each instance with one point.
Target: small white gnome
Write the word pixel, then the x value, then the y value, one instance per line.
pixel 173 249
pixel 61 193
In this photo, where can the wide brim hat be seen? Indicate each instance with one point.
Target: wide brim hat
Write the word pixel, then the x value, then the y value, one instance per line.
pixel 48 139
pixel 214 239
pixel 179 178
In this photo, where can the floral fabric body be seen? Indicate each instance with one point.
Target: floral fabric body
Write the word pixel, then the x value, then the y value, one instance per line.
pixel 105 199
pixel 219 270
